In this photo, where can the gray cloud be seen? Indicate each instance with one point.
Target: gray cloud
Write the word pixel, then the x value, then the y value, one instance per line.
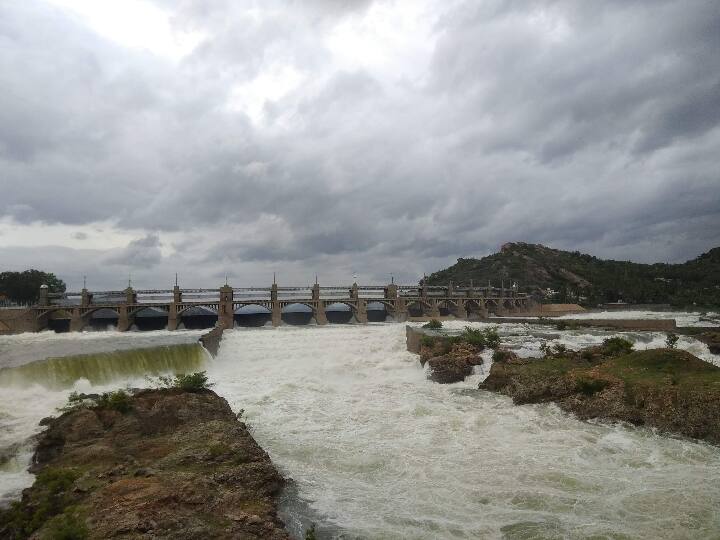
pixel 582 125
pixel 140 253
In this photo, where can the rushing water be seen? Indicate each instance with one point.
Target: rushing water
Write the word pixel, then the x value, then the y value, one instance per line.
pixel 378 451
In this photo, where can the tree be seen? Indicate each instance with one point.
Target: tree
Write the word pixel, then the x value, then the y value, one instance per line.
pixel 24 287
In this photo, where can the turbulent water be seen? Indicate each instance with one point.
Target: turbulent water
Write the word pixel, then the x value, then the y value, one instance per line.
pixel 377 451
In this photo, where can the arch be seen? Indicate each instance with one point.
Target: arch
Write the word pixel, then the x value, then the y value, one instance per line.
pixel 89 314
pixel 150 318
pixel 387 306
pixel 291 304
pixel 208 307
pixel 147 309
pixel 294 313
pixel 416 308
pixel 244 309
pixel 343 315
pixel 252 315
pixel 59 314
pixel 101 318
pixel 378 314
pixel 197 317
pixel 45 312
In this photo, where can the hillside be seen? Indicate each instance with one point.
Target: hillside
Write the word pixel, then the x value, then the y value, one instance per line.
pixel 572 274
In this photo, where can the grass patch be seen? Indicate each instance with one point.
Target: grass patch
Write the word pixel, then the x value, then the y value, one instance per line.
pixel 50 496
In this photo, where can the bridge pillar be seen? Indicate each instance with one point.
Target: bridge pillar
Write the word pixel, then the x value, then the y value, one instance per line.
pixel 177 295
pixel 319 312
pixel 318 305
pixel 401 312
pixel 76 321
pixel 460 311
pixel 434 311
pixel 275 308
pixel 361 314
pixel 226 313
pixel 125 321
pixel 173 319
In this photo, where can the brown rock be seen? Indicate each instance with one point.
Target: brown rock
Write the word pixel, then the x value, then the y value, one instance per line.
pixel 178 465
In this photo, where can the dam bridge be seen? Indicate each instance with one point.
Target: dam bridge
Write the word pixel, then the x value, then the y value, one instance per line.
pixel 400 302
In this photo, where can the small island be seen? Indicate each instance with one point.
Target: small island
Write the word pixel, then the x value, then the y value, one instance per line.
pixel 170 462
pixel 667 389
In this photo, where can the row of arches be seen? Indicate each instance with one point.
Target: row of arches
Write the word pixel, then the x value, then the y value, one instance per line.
pixel 196 317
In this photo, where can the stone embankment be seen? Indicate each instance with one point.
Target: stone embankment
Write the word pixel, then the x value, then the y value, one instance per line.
pixel 667 389
pixel 160 464
pixel 211 340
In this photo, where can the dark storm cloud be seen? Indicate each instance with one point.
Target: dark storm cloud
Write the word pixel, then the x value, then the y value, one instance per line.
pixel 140 253
pixel 583 125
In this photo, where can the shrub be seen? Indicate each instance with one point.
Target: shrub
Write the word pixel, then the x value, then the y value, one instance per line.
pixel 190 382
pixel 671 340
pixel 427 341
pixel 433 324
pixel 473 336
pixel 492 338
pixel 119 400
pixel 617 346
pixel 310 533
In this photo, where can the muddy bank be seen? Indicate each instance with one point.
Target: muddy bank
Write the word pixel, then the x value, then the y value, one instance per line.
pixel 159 464
pixel 667 389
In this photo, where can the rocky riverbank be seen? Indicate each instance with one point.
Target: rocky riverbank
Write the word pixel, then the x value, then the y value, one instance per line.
pixel 668 389
pixel 164 463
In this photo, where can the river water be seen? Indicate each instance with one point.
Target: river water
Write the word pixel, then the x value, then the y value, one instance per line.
pixel 375 450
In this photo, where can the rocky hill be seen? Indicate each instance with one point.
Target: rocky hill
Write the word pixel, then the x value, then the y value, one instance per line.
pixel 575 275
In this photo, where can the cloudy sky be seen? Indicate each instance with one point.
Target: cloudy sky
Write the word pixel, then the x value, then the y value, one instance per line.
pixel 205 137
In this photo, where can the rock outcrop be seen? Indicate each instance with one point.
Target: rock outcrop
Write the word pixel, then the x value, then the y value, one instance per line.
pixel 164 464
pixel 449 362
pixel 668 389
pixel 712 340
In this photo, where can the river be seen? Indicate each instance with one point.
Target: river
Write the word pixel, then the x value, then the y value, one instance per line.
pixel 376 450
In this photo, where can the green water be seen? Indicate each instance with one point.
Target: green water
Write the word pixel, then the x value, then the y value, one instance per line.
pixel 103 368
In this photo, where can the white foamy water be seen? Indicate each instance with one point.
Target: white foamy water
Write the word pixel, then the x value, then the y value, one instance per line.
pixel 683 318
pixel 377 451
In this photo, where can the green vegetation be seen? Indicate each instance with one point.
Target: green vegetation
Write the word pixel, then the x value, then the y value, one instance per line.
pixel 433 324
pixel 190 382
pixel 52 496
pixel 671 340
pixel 478 337
pixel 652 367
pixel 310 534
pixel 119 400
pixel 66 526
pixel 617 346
pixel 24 287
pixel 586 279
